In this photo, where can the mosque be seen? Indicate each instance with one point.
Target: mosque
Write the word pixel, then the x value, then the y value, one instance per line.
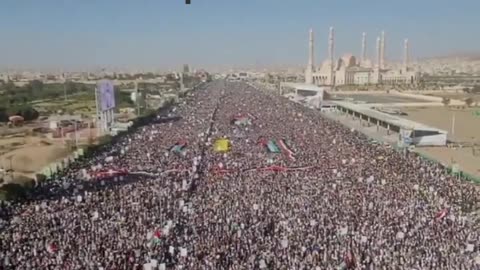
pixel 347 70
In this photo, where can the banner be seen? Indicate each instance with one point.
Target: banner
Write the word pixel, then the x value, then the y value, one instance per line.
pixel 221 145
pixel 109 173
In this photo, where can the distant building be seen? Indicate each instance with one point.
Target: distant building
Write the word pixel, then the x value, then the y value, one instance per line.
pixel 203 75
pixel 308 94
pixel 186 68
pixel 347 70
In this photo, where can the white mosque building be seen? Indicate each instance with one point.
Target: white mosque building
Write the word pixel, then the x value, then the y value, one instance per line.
pixel 347 70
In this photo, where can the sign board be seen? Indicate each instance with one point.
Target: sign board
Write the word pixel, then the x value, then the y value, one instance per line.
pixel 405 138
pixel 455 168
pixel 106 95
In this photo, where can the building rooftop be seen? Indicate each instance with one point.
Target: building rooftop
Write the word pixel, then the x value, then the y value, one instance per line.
pixel 391 119
pixel 303 86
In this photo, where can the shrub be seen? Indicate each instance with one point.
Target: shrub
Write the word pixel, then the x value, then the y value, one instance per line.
pixel 26 111
pixel 11 191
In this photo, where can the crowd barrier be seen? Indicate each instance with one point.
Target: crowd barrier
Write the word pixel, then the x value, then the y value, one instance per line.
pixel 462 174
pixel 57 166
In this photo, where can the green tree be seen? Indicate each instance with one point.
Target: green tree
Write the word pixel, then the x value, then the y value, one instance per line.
pixel 26 111
pixel 445 101
pixel 36 86
pixel 475 89
pixel 469 101
pixel 71 87
pixel 10 191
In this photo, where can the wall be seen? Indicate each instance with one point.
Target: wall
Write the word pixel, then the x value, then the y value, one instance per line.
pixel 431 140
pixel 465 176
pixel 60 164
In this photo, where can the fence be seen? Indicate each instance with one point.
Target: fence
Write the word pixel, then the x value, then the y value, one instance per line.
pixel 57 166
pixel 464 175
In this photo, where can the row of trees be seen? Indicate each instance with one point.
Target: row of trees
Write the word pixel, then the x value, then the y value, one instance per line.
pixel 36 90
pixel 468 101
pixel 17 100
pixel 26 111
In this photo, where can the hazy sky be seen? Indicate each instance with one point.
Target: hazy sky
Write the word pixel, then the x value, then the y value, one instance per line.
pixel 167 33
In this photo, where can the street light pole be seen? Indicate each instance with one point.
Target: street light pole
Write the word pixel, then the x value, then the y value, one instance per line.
pixel 65 86
pixel 453 124
pixel 65 90
pixel 137 98
pixel 76 136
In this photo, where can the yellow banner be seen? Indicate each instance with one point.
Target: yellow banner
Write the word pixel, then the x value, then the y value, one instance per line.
pixel 221 145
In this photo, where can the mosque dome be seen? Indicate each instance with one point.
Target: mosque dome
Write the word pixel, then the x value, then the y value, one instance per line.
pixel 367 63
pixel 325 66
pixel 349 60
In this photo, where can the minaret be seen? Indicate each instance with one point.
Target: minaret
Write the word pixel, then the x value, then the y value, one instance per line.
pixel 310 67
pixel 379 53
pixel 331 48
pixel 364 48
pixel 382 51
pixel 405 55
pixel 376 70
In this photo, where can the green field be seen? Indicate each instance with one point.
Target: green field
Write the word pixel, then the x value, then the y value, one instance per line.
pixel 77 105
pixel 49 98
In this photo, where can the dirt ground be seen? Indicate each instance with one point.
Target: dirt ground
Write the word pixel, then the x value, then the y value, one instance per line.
pixel 370 97
pixel 448 156
pixel 27 155
pixel 467 130
pixel 467 125
pixel 459 95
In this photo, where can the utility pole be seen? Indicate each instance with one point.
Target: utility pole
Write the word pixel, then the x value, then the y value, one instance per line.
pixel 65 90
pixel 98 122
pixel 453 124
pixel 137 98
pixel 76 135
pixel 65 86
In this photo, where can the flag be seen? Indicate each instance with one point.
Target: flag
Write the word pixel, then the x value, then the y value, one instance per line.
pixel 274 169
pixel 252 116
pixel 441 214
pixel 350 262
pixel 262 141
pixel 52 248
pixel 179 147
pixel 220 171
pixel 157 235
pixel 243 121
pixel 286 149
pixel 272 147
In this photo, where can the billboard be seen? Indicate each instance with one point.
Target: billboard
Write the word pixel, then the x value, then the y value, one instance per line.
pixel 106 95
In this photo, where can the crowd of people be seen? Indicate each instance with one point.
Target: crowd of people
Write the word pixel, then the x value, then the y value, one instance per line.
pixel 328 199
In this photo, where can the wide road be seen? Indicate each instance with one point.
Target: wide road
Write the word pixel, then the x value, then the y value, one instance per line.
pixel 293 191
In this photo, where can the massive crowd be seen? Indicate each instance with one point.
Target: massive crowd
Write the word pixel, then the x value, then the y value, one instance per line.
pixel 338 202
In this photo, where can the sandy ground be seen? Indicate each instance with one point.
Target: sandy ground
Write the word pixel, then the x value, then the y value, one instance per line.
pixel 463 156
pixel 28 155
pixel 459 95
pixel 455 95
pixel 371 97
pixel 467 130
pixel 448 156
pixel 467 126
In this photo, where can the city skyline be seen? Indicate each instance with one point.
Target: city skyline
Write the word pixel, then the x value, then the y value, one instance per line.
pixel 215 34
